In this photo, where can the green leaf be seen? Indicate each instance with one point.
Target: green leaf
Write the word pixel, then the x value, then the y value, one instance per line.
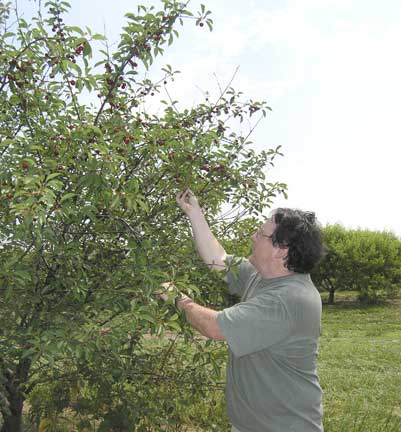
pixel 67 196
pixel 52 176
pixel 55 184
pixel 115 202
pixel 74 29
pixel 8 141
pixel 87 50
pixel 28 353
pixel 148 318
pixel 68 64
pixel 98 36
pixel 174 325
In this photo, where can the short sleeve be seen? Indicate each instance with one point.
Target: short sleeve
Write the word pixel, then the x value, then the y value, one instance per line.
pixel 255 324
pixel 240 271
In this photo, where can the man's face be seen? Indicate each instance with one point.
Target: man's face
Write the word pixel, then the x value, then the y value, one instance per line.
pixel 263 249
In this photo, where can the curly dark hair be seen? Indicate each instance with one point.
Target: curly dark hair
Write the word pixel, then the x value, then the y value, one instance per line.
pixel 301 233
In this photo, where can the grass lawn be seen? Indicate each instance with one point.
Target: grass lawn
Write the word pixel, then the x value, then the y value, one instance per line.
pixel 360 366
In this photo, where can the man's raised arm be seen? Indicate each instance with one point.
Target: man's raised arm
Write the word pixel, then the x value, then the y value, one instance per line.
pixel 210 250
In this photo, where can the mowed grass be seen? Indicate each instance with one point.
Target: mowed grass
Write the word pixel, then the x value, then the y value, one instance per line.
pixel 360 366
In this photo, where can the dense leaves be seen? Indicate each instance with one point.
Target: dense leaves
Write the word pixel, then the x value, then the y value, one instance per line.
pixel 360 260
pixel 88 221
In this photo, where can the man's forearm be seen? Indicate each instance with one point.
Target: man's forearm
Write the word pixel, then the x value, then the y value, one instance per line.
pixel 201 318
pixel 210 250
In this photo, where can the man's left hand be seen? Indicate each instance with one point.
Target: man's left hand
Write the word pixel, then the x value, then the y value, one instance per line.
pixel 169 293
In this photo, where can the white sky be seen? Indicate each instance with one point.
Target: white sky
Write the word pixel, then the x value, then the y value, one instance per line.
pixel 331 71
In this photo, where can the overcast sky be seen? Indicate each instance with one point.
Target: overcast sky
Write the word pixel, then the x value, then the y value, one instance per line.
pixel 330 70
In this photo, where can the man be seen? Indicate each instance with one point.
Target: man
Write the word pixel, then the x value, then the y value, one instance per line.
pixel 272 334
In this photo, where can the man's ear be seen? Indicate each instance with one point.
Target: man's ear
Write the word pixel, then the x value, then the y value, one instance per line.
pixel 281 253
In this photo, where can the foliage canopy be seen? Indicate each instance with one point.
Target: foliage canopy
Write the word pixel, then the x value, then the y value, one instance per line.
pixel 360 260
pixel 88 221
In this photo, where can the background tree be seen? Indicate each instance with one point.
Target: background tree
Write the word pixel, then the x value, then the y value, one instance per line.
pixel 88 221
pixel 360 260
pixel 332 273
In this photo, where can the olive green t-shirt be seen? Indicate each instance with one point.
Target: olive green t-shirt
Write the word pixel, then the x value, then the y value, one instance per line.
pixel 272 334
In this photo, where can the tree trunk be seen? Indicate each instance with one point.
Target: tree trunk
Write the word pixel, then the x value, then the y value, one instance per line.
pixel 12 421
pixel 331 288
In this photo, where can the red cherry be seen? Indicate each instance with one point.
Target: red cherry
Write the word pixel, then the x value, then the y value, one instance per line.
pixel 24 165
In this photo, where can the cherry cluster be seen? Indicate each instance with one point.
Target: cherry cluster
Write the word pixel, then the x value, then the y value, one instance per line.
pixel 79 49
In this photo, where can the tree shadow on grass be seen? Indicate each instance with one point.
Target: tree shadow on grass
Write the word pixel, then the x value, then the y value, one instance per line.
pixel 354 303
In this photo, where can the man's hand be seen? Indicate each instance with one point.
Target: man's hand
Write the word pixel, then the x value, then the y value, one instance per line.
pixel 188 202
pixel 169 292
pixel 166 292
pixel 203 319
